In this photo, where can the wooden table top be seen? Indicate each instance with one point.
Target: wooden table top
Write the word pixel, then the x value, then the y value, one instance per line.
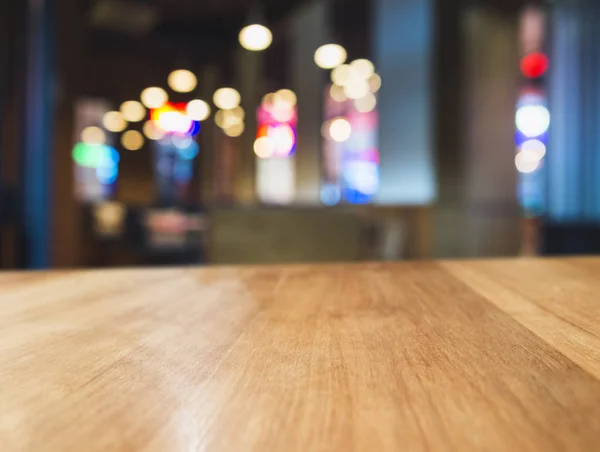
pixel 499 355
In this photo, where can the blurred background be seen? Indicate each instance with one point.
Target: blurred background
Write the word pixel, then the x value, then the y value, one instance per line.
pixel 174 132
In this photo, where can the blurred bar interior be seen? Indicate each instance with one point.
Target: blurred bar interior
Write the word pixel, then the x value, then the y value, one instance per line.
pixel 226 131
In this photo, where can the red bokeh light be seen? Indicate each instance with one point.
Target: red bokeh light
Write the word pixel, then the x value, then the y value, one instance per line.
pixel 534 65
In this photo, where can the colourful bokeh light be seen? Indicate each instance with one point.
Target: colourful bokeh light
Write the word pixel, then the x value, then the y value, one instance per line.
pixel 95 155
pixel 172 118
pixel 534 65
pixel 283 139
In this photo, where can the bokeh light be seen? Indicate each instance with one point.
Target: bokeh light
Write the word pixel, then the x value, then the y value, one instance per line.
pixel 93 135
pixel 532 120
pixel 340 130
pixel 133 111
pixel 282 113
pixel 255 37
pixel 107 174
pixel 356 88
pixel 268 99
pixel 362 69
pixel 235 130
pixel 534 65
pixel 152 132
pixel 95 156
pixel 366 104
pixel 535 148
pixel 282 138
pixel 526 162
pixel 226 98
pixel 285 97
pixel 220 119
pixel 171 119
pixel 337 93
pixel 132 140
pixel 263 147
pixel 182 81
pixel 181 141
pixel 154 97
pixel 330 56
pixel 189 152
pixel 198 110
pixel 113 121
pixel 229 118
pixel 374 83
pixel 341 74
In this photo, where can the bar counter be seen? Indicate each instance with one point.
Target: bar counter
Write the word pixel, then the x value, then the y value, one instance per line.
pixel 496 355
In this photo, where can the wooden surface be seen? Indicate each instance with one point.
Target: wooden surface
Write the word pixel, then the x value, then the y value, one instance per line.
pixel 451 356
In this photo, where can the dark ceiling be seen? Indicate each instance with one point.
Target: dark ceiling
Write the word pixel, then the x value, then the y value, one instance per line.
pixel 199 27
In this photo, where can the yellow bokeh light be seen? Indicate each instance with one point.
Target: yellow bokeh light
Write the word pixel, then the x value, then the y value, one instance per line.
pixel 151 132
pixel 286 97
pixel 337 93
pixel 226 98
pixel 366 104
pixel 198 110
pixel 235 130
pixel 154 97
pixel 133 111
pixel 340 130
pixel 268 99
pixel 329 56
pixel 255 37
pixel 220 119
pixel 182 81
pixel 362 68
pixel 113 121
pixel 374 83
pixel 356 88
pixel 132 140
pixel 341 74
pixel 93 135
pixel 263 147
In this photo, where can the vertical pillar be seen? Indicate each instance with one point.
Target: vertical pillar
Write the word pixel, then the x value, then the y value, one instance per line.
pixel 36 155
pixel 208 144
pixel 490 177
pixel 64 225
pixel 249 80
pixel 573 161
pixel 308 30
pixel 403 46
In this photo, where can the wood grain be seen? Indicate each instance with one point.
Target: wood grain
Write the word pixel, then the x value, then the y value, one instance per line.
pixel 451 356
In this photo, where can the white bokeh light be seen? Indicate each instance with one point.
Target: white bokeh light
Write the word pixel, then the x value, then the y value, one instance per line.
pixel 366 104
pixel 255 37
pixel 341 74
pixel 340 130
pixel 226 98
pixel 356 88
pixel 198 110
pixel 532 120
pixel 154 97
pixel 329 56
pixel 362 68
pixel 527 162
pixel 182 81
pixel 534 148
pixel 263 147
